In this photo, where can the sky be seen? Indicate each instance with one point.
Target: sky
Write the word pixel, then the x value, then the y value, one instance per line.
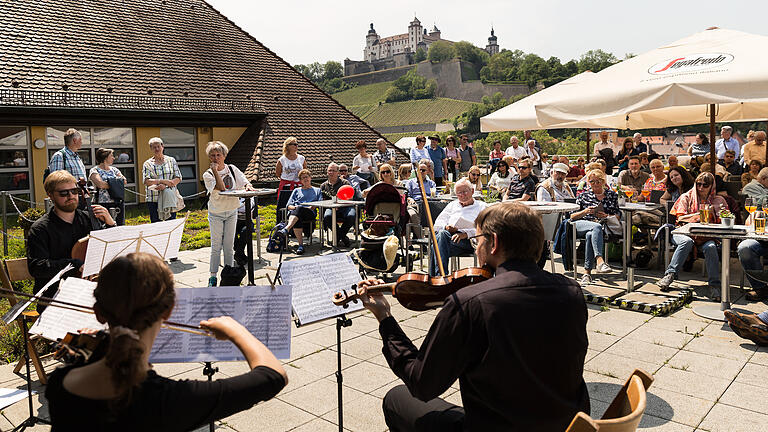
pixel 303 31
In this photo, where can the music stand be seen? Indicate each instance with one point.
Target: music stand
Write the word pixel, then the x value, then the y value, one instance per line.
pixel 32 419
pixel 208 371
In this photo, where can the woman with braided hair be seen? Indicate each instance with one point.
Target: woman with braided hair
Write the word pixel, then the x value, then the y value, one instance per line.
pixel 120 391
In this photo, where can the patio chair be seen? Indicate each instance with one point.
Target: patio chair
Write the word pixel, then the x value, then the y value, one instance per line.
pixel 15 270
pixel 625 411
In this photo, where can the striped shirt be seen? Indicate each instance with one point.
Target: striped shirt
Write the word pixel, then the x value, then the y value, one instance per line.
pixel 168 170
pixel 66 159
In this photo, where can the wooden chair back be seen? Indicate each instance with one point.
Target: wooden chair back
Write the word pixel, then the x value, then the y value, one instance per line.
pixel 582 423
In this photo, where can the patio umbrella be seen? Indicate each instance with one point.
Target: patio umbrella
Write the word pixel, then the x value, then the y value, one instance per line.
pixel 522 114
pixel 716 74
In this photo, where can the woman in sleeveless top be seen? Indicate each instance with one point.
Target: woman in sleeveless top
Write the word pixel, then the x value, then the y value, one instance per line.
pixel 101 173
pixel 453 158
pixel 288 167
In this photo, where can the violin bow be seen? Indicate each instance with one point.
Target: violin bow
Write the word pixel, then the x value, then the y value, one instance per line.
pixel 429 220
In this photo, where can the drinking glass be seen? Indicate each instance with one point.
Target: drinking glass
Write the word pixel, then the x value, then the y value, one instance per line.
pixel 759 216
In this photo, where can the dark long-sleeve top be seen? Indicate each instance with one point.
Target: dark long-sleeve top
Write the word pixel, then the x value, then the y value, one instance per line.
pixel 49 246
pixel 517 344
pixel 162 404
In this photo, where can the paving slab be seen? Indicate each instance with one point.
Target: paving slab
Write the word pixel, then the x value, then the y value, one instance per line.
pixel 690 383
pixel 726 418
pixel 745 396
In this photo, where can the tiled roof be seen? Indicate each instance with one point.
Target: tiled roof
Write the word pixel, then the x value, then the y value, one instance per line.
pixel 173 48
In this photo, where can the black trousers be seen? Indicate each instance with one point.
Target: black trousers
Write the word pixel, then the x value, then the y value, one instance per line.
pixel 404 413
pixel 241 235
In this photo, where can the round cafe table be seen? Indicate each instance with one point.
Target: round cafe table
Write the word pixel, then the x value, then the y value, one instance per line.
pixel 628 209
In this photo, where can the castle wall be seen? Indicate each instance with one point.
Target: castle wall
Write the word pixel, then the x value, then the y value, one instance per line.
pixel 450 84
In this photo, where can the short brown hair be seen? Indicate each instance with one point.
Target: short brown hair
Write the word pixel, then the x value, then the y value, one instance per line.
pixel 102 154
pixel 421 138
pixel 305 171
pixel 56 178
pixel 360 144
pixel 517 227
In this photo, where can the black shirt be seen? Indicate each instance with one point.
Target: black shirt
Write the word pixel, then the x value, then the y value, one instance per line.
pixel 330 190
pixel 49 246
pixel 734 169
pixel 161 404
pixel 521 186
pixel 516 342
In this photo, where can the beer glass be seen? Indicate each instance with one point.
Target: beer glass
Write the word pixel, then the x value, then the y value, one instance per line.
pixel 759 216
pixel 704 212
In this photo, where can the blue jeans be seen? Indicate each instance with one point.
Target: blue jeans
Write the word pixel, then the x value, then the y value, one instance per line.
pixel 593 233
pixel 448 248
pixel 345 215
pixel 153 216
pixel 222 226
pixel 684 246
pixel 763 317
pixel 750 252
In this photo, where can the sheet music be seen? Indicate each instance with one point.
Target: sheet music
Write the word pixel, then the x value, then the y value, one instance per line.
pixel 9 396
pixel 20 307
pixel 265 312
pixel 160 239
pixel 54 323
pixel 315 280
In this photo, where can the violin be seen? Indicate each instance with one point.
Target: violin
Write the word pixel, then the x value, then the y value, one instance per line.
pixel 419 291
pixel 77 348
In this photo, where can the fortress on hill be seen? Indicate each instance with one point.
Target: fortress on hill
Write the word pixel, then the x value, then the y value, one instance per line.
pixel 400 50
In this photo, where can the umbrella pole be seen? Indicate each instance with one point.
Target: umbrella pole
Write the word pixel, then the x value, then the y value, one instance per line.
pixel 587 145
pixel 712 156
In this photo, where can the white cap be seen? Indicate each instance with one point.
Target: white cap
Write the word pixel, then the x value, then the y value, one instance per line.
pixel 560 167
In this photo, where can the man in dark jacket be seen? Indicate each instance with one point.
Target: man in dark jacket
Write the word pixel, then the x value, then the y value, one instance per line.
pixel 517 371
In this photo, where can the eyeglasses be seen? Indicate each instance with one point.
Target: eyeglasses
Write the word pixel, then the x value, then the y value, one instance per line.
pixel 386 172
pixel 67 192
pixel 522 167
pixel 474 174
pixel 343 170
pixel 473 240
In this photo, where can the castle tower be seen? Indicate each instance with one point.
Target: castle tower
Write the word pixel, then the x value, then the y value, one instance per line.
pixel 414 34
pixel 492 47
pixel 435 33
pixel 369 53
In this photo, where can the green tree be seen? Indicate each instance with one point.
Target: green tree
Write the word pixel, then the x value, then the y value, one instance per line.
pixel 332 69
pixel 596 60
pixel 533 69
pixel 420 55
pixel 440 51
pixel 502 67
pixel 470 53
pixel 411 86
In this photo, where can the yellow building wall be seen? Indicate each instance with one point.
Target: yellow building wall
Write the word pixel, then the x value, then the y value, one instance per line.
pixel 143 152
pixel 39 161
pixel 204 135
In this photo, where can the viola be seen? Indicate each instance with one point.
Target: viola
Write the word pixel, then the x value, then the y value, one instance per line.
pixel 419 291
pixel 81 246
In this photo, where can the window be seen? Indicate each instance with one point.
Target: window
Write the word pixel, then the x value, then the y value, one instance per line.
pixel 14 164
pixel 120 139
pixel 180 143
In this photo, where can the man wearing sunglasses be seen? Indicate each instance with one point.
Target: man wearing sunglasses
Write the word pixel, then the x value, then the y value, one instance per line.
pixel 518 372
pixel 51 238
pixel 523 184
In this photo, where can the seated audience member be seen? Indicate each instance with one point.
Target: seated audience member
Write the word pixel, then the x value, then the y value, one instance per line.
pixel 720 175
pixel 500 180
pixel 582 184
pixel 383 155
pixel 495 156
pixel 52 236
pixel 546 165
pixel 360 184
pixel 686 209
pixel 755 150
pixel 577 170
pixel 404 173
pixel 754 168
pixel 672 161
pixel 117 386
pixel 514 377
pixel 596 204
pixel 730 164
pixel 297 213
pixel 700 147
pixel 344 215
pixel 678 182
pixel 749 325
pixel 453 241
pixel 751 251
pixel 633 178
pixel 757 189
pixel 523 184
pixel 430 168
pixel 515 149
pixel 656 182
pixel 363 164
pixel 413 192
pixel 555 188
pixel 645 163
pixel 628 149
pixel 473 175
pixel 388 177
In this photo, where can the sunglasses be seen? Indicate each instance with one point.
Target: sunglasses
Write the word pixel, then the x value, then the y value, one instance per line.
pixel 386 172
pixel 67 192
pixel 343 170
pixel 423 170
pixel 699 184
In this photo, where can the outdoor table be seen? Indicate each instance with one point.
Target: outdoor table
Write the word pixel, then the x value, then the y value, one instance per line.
pixel 255 194
pixel 547 207
pixel 628 209
pixel 711 311
pixel 333 205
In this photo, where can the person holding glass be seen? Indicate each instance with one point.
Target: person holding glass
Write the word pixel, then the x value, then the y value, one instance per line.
pixel 222 210
pixel 596 204
pixel 687 210
pixel 159 172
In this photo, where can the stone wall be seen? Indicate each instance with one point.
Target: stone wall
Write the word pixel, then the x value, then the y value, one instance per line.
pixel 378 76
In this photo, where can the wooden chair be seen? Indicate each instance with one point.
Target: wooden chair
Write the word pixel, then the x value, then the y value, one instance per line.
pixel 16 270
pixel 624 413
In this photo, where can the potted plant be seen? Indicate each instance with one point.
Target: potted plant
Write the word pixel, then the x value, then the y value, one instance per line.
pixel 727 217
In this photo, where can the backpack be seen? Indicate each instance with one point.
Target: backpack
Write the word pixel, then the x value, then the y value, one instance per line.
pixel 47 171
pixel 276 241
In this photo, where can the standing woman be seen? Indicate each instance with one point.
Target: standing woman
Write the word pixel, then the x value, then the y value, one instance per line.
pixel 161 172
pixel 222 210
pixel 419 152
pixel 362 164
pixel 100 175
pixel 120 391
pixel 287 170
pixel 453 158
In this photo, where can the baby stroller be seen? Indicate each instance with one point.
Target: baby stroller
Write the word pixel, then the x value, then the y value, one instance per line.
pixel 381 246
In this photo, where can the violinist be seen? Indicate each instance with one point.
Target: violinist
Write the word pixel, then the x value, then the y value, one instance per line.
pixel 51 238
pixel 516 342
pixel 120 391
